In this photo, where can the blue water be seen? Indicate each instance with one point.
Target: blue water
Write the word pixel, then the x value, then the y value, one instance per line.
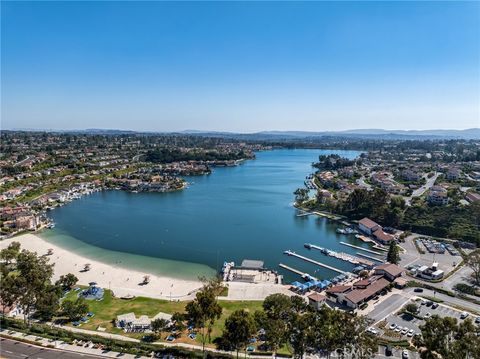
pixel 232 214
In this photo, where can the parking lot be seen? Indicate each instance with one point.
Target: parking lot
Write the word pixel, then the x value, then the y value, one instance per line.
pixel 397 326
pixel 446 261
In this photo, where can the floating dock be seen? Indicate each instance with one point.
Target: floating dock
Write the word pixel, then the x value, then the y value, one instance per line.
pixel 304 214
pixel 290 253
pixel 361 248
pixel 340 255
pixel 296 271
pixel 370 257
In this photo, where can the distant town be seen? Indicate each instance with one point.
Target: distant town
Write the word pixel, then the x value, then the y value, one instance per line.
pixel 414 205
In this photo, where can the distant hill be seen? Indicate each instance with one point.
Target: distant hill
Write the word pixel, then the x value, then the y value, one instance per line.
pixel 471 133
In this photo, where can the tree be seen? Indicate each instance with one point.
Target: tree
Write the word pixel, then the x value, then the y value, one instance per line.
pixel 47 305
pixel 444 338
pixel 9 254
pixel 204 310
pixel 159 325
pixel 239 328
pixel 473 262
pixel 276 306
pixel 177 319
pixel 301 195
pixel 411 308
pixel 392 255
pixel 11 291
pixel 67 281
pixel 34 275
pixel 74 310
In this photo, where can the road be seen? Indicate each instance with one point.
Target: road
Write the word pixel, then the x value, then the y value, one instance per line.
pixel 421 190
pixel 14 349
pixel 361 182
pixel 20 163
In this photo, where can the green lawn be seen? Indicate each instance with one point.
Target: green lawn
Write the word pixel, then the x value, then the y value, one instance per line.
pixel 107 310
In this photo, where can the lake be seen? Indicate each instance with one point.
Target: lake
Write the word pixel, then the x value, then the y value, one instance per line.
pixel 235 213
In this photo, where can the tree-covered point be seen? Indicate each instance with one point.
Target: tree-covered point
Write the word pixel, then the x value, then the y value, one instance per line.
pixel 333 162
pixel 168 155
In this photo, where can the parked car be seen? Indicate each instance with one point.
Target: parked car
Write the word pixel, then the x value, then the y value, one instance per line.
pixel 404 331
pixel 372 330
pixel 398 329
pixel 434 305
pixel 429 303
pixel 427 315
pixel 392 326
pixel 411 333
pixel 405 354
pixel 464 315
pixel 477 320
pixel 423 302
pixel 388 351
pixel 418 290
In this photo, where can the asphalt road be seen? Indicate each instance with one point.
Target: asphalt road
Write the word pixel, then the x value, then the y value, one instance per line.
pixel 12 349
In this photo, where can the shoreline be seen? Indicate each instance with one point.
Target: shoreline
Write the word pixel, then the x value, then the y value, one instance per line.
pixel 122 281
pixel 126 282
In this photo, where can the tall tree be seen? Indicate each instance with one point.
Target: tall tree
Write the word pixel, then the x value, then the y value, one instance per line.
pixel 393 255
pixel 74 310
pixel 239 328
pixel 67 281
pixel 159 325
pixel 34 275
pixel 204 310
pixel 473 262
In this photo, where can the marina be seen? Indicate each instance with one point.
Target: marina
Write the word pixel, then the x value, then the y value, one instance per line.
pixel 371 257
pixel 361 248
pixel 340 255
pixel 293 254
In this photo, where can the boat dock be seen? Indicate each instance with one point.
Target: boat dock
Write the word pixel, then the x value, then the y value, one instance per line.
pixel 306 259
pixel 296 271
pixel 304 214
pixel 361 248
pixel 340 255
pixel 371 257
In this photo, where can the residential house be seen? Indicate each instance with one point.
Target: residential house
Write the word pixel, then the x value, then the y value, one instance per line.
pixel 472 197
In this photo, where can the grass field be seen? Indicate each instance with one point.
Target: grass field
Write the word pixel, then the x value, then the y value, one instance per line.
pixel 109 307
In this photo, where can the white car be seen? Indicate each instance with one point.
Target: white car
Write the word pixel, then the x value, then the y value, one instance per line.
pixel 372 330
pixel 423 302
pixel 404 331
pixel 411 333
pixel 398 329
pixel 464 315
pixel 427 315
pixel 392 326
pixel 405 354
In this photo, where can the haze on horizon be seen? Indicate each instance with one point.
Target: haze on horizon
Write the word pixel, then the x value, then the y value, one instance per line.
pixel 240 67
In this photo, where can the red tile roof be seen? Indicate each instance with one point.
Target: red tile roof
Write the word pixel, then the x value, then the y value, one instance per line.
pixel 367 222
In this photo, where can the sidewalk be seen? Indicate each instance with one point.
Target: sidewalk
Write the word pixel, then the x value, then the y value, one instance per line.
pixel 44 342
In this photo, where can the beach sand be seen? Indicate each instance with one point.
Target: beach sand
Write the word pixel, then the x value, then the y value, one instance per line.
pixel 122 281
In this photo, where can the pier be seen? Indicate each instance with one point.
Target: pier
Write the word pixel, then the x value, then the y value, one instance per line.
pixel 340 255
pixel 304 214
pixel 306 259
pixel 371 257
pixel 361 248
pixel 296 271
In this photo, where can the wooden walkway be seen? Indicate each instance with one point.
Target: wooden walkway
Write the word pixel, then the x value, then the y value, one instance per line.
pixel 306 259
pixel 361 248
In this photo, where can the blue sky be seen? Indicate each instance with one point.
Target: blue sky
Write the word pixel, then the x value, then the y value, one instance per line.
pixel 244 66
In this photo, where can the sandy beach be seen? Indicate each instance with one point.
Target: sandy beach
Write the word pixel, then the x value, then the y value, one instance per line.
pixel 121 281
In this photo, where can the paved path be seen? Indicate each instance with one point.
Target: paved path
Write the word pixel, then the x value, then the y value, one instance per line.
pixel 12 348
